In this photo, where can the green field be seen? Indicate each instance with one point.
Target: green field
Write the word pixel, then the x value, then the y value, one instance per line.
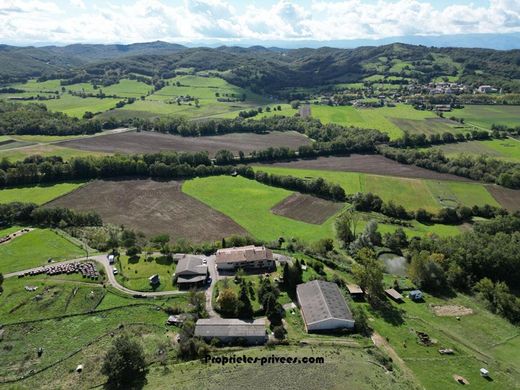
pixel 76 106
pixel 34 249
pixel 60 295
pixel 205 89
pixel 39 86
pixel 391 120
pixel 486 115
pixel 479 340
pixel 505 149
pixel 38 194
pixel 249 204
pixel 413 194
pixel 124 88
pixel 134 273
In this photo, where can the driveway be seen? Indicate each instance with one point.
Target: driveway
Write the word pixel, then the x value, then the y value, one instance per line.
pixel 209 290
pixel 103 261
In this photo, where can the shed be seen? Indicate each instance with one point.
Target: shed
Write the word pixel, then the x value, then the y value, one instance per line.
pixel 154 279
pixel 394 294
pixel 354 290
pixel 415 295
pixel 176 319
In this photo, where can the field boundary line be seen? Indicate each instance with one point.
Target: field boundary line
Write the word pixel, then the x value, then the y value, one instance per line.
pixel 90 312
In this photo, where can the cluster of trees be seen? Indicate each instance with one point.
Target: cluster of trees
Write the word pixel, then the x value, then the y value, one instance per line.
pixel 37 169
pixel 124 363
pixel 292 276
pixel 368 273
pixel 31 214
pixel 33 118
pixel 254 112
pixel 477 168
pixel 239 305
pixel 422 140
pixel 318 187
pixel 462 262
pixel 454 216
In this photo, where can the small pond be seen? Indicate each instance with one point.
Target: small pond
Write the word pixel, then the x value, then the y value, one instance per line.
pixel 394 264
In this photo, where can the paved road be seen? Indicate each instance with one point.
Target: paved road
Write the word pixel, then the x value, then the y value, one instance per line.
pixel 103 261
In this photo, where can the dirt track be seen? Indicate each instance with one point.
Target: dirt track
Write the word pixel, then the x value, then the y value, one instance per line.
pixel 307 208
pixel 369 163
pixel 149 142
pixel 153 208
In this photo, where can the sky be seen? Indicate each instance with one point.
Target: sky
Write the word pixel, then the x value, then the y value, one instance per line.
pixel 30 22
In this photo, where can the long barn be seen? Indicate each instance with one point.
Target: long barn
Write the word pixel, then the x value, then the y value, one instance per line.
pixel 323 306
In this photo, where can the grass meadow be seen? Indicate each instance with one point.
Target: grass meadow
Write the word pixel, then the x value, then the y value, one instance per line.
pixel 249 204
pixel 504 149
pixel 33 249
pixel 391 120
pixel 411 193
pixel 485 116
pixel 38 194
pixel 134 273
pixel 481 339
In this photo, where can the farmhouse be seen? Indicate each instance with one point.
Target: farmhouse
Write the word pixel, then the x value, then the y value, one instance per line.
pixel 191 272
pixel 246 257
pixel 323 306
pixel 232 330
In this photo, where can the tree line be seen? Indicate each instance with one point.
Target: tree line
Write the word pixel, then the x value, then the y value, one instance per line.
pixel 17 213
pixel 481 168
pixel 318 187
pixel 369 202
pixel 37 169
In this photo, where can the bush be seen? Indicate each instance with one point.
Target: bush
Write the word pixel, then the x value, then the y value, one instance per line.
pixel 124 363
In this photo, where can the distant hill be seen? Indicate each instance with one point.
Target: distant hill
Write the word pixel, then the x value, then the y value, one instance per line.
pixel 262 69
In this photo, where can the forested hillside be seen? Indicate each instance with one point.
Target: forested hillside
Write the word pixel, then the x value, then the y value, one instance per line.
pixel 262 69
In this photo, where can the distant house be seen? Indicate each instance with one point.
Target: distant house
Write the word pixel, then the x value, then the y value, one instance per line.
pixel 323 306
pixel 415 295
pixel 232 330
pixel 191 272
pixel 442 107
pixel 246 257
pixel 394 294
pixel 486 89
pixel 154 279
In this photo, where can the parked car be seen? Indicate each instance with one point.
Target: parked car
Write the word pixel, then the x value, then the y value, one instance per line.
pixel 115 271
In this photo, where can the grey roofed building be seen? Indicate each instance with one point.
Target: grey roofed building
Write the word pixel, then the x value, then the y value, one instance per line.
pixel 191 271
pixel 229 330
pixel 323 306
